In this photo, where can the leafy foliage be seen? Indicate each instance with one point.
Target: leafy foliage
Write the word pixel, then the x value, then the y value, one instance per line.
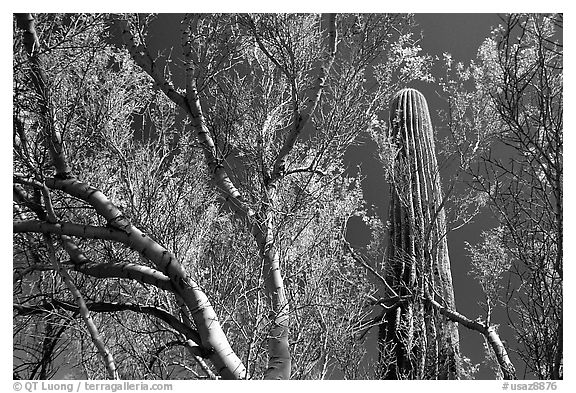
pixel 253 75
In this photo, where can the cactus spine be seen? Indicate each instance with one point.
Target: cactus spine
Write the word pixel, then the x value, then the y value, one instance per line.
pixel 415 341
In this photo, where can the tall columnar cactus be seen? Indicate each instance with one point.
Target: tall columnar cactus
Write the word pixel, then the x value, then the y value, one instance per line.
pixel 416 342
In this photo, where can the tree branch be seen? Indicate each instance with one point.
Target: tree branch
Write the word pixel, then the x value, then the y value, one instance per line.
pixel 85 314
pixel 217 171
pixel 120 229
pixel 52 137
pixel 205 318
pixel 489 332
pixel 140 273
pixel 301 118
pixel 142 57
pixel 306 170
pixel 156 312
pixel 362 262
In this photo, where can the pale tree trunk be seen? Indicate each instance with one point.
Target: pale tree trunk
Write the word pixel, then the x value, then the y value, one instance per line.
pixel 279 354
pixel 279 362
pixel 261 225
pixel 416 342
pixel 214 343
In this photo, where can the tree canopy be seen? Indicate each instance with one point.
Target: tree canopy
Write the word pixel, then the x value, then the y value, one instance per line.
pixel 182 213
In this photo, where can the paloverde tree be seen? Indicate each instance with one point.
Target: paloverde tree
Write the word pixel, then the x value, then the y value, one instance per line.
pixel 154 197
pixel 509 126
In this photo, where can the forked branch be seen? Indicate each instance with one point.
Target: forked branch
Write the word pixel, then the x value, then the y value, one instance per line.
pixel 489 332
pixel 302 117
